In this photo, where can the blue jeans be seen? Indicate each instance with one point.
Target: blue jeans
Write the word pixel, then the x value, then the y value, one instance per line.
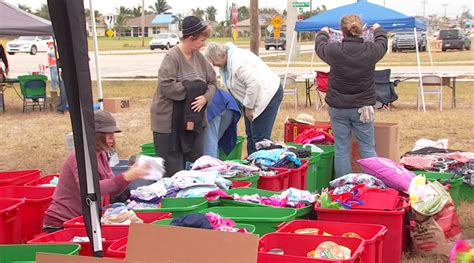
pixel 344 122
pixel 261 127
pixel 53 70
pixel 214 132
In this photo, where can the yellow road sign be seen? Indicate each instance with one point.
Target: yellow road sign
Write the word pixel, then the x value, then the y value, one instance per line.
pixel 276 33
pixel 277 21
pixel 109 32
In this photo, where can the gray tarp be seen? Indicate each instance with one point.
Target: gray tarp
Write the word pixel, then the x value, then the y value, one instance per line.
pixel 16 22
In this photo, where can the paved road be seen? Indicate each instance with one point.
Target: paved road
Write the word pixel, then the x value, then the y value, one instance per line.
pixel 128 65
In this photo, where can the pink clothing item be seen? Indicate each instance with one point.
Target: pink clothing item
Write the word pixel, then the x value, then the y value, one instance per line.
pixel 207 163
pixel 418 162
pixel 66 202
pixel 223 224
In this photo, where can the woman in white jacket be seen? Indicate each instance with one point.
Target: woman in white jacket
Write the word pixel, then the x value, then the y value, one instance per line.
pixel 253 84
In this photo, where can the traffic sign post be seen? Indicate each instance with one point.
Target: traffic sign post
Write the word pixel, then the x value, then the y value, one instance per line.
pixel 109 32
pixel 277 22
pixel 276 34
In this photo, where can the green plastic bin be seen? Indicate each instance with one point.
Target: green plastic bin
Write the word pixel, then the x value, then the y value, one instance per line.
pixel 253 179
pixel 248 227
pixel 151 154
pixel 319 177
pixel 27 253
pixel 236 153
pixel 455 184
pixel 466 192
pixel 265 219
pixel 179 206
pixel 301 213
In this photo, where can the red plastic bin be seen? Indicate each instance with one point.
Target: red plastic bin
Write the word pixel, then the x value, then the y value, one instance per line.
pixel 277 182
pixel 240 184
pixel 37 200
pixel 372 234
pixel 118 249
pixel 297 176
pixel 10 220
pixel 42 180
pixel 293 129
pixel 18 177
pixel 296 247
pixel 392 220
pixel 147 218
pixel 66 235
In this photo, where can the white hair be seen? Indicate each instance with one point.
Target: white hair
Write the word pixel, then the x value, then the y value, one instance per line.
pixel 215 51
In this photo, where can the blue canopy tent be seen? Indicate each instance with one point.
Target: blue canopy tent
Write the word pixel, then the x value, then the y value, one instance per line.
pixel 370 14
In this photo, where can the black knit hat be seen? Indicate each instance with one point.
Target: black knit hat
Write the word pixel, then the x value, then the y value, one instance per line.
pixel 192 26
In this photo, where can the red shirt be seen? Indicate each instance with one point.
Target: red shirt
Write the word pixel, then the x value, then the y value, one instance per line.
pixel 66 202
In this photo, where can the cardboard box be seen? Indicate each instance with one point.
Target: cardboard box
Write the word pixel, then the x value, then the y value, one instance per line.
pixel 116 104
pixel 165 244
pixel 387 143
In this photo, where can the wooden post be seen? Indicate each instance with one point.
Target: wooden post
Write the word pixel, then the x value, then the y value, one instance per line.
pixel 143 23
pixel 254 27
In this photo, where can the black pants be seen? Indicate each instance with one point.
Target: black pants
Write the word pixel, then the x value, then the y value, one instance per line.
pixel 175 160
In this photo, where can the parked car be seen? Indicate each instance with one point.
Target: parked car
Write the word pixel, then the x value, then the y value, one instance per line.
pixel 455 39
pixel 271 41
pixel 405 40
pixel 164 40
pixel 29 44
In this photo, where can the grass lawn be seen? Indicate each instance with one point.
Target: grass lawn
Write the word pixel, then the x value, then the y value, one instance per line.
pixel 36 139
pixel 133 43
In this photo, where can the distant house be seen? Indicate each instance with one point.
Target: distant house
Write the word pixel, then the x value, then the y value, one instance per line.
pixel 263 20
pixel 166 22
pixel 134 26
pixel 100 26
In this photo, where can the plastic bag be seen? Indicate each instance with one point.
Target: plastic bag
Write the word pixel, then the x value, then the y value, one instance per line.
pixel 427 199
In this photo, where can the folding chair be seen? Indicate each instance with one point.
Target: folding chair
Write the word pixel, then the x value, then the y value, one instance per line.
pixel 321 84
pixel 290 87
pixel 434 81
pixel 33 89
pixel 385 89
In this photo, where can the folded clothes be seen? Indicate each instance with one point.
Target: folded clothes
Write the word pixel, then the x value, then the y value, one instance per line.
pixel 118 214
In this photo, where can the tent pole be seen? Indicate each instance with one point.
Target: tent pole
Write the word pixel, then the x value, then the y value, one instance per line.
pixel 312 56
pixel 96 56
pixel 288 65
pixel 419 73
pixel 429 51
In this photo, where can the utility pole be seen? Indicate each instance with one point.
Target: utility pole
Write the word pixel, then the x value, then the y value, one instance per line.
pixel 143 23
pixel 444 5
pixel 423 2
pixel 254 27
pixel 311 6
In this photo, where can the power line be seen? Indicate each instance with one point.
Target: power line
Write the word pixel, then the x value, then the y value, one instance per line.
pixel 423 2
pixel 444 5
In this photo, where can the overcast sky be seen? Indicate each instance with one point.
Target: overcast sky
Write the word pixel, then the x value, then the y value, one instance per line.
pixel 409 7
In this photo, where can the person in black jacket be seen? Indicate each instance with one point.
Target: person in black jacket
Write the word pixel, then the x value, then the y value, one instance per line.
pixel 351 93
pixel 3 58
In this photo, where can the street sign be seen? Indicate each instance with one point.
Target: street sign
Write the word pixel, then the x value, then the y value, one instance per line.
pixel 109 32
pixel 300 4
pixel 270 28
pixel 276 33
pixel 277 22
pixel 109 20
pixel 301 10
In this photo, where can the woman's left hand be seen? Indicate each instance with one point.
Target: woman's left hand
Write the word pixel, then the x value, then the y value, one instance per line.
pixel 198 103
pixel 249 114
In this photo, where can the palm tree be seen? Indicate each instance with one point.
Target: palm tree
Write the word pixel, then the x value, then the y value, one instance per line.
pixel 24 8
pixel 198 12
pixel 160 6
pixel 87 11
pixel 123 14
pixel 211 12
pixel 43 12
pixel 243 13
pixel 136 11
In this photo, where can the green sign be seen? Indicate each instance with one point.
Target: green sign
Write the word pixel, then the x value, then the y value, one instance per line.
pixel 300 4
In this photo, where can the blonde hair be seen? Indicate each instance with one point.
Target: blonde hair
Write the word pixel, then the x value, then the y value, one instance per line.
pixel 215 51
pixel 351 25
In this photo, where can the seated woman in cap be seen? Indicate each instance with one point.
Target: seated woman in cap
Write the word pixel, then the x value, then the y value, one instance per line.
pixel 186 84
pixel 66 202
pixel 253 84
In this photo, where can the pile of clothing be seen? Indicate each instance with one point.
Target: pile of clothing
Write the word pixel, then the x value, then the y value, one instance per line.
pixel 314 136
pixel 208 221
pixel 118 214
pixel 275 158
pixel 148 196
pixel 292 198
pixel 347 182
pixel 226 169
